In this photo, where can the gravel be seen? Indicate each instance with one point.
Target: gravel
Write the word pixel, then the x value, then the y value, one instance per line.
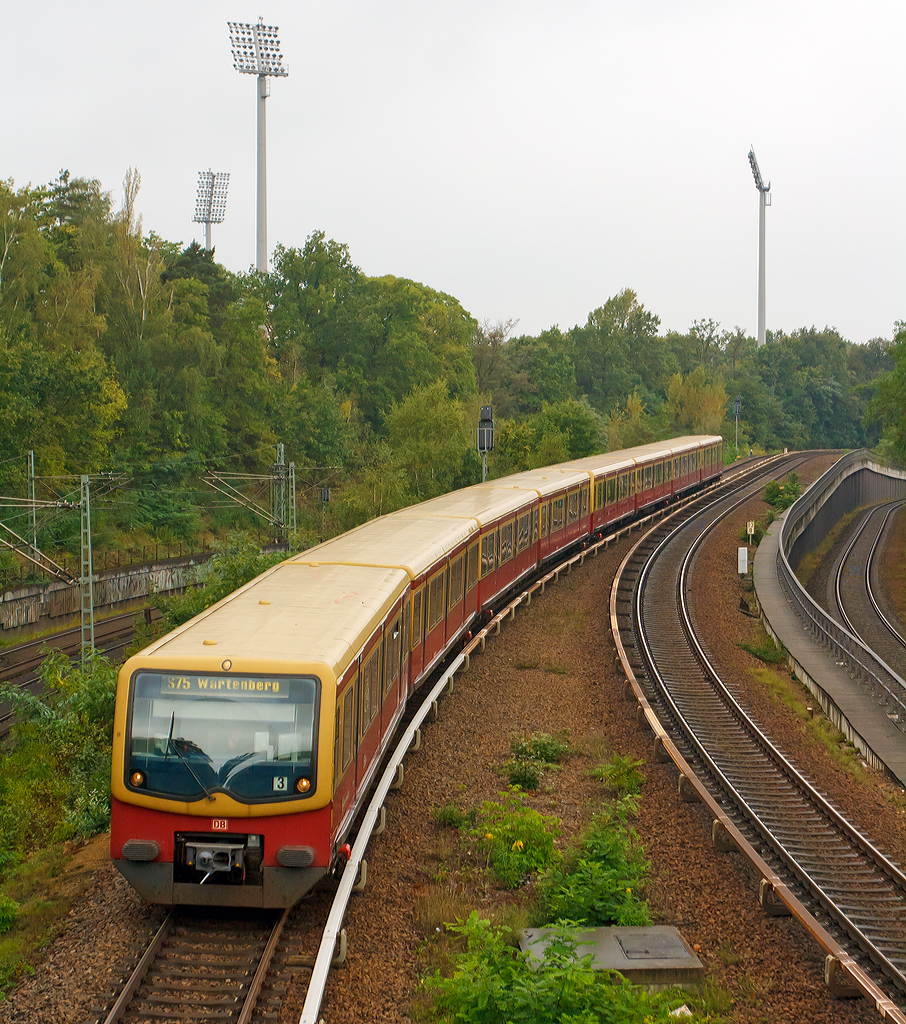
pixel 550 669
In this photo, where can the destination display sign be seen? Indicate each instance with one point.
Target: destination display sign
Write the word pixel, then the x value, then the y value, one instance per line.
pixel 192 685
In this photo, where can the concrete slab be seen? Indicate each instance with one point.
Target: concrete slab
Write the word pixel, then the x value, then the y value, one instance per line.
pixel 656 957
pixel 851 707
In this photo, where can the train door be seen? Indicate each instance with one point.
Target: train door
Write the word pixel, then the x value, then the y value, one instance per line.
pixel 456 579
pixel 406 659
pixel 471 594
pixel 344 746
pixel 393 668
pixel 371 676
pixel 435 606
pixel 417 659
pixel 488 568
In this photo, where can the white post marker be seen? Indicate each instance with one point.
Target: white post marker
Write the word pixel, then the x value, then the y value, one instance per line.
pixel 742 561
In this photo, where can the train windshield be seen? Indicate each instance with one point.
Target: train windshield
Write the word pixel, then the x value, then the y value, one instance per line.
pixel 253 737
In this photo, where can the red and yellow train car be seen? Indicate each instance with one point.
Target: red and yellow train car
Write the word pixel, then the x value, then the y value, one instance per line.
pixel 245 740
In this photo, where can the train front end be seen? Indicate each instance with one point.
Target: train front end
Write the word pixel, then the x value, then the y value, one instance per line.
pixel 222 775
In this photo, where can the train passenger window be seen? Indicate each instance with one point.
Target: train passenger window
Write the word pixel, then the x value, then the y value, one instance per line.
pixel 544 520
pixel 472 568
pixel 649 477
pixel 557 514
pixel 417 618
pixel 348 726
pixel 488 553
pixel 658 474
pixel 685 464
pixel 667 467
pixel 524 532
pixel 535 533
pixel 585 494
pixel 572 507
pixel 404 645
pixel 611 490
pixel 632 483
pixel 506 542
pixel 456 581
pixel 435 599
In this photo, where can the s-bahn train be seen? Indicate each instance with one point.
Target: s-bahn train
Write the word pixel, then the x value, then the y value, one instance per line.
pixel 245 739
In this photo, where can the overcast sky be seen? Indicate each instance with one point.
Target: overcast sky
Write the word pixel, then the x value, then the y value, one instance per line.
pixel 530 158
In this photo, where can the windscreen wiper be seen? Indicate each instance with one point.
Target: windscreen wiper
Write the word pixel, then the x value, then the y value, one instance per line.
pixel 185 760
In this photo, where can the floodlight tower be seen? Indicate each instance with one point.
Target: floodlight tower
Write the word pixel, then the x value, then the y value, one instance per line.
pixel 764 199
pixel 256 51
pixel 210 203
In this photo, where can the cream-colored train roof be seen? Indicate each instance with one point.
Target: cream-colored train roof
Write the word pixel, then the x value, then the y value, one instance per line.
pixel 609 461
pixel 413 544
pixel 546 481
pixel 292 613
pixel 483 503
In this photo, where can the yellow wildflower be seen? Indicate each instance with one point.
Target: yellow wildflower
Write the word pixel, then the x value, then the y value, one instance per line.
pixel 488 835
pixel 517 845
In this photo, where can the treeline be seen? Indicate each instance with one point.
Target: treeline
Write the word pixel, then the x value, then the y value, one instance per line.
pixel 123 352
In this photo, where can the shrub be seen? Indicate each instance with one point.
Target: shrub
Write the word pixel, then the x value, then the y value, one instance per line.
pixel 516 839
pixel 493 982
pixel 9 910
pixel 55 776
pixel 540 746
pixel 781 495
pixel 532 755
pixel 525 772
pixel 602 883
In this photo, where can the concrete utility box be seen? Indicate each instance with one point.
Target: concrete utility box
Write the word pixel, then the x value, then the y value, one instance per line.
pixel 656 957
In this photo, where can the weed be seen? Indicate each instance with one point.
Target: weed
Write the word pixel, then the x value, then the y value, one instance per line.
pixel 541 746
pixel 621 775
pixel 525 772
pixel 450 816
pixel 602 882
pixel 727 955
pixel 491 981
pixel 515 838
pixel 766 651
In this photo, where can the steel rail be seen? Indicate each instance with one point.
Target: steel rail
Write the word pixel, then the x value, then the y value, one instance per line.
pixel 891 629
pixel 841 970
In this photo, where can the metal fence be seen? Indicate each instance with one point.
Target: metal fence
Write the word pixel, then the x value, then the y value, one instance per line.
pixel 862 663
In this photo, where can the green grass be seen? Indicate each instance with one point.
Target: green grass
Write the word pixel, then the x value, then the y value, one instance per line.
pixel 822 732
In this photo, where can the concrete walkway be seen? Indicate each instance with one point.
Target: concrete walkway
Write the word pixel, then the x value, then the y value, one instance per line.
pixel 849 705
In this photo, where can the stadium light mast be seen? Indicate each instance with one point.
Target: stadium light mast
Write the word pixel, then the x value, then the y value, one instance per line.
pixel 210 202
pixel 764 199
pixel 256 51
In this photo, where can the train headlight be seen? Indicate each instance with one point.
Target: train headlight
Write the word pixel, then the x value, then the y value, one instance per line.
pixel 303 785
pixel 137 779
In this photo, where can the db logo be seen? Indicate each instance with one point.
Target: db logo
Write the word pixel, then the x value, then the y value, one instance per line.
pixel 219 824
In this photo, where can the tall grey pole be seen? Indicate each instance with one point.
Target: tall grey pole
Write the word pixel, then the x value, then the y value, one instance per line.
pixel 32 515
pixel 763 201
pixel 85 578
pixel 261 248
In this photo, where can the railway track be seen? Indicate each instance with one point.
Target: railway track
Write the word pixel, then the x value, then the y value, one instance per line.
pixel 858 604
pixel 19 665
pixel 813 863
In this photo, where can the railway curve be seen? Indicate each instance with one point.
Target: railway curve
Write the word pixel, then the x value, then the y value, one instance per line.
pixel 813 863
